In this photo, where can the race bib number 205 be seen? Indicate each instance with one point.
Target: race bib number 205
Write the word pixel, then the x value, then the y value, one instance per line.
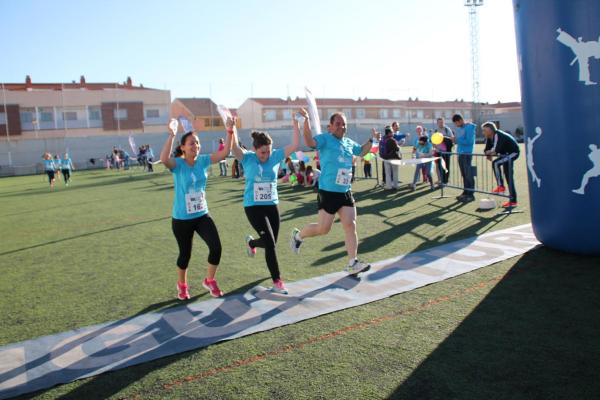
pixel 263 191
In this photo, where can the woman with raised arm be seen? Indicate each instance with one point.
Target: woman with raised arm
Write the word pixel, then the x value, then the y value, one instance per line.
pixel 190 209
pixel 261 166
pixel 335 196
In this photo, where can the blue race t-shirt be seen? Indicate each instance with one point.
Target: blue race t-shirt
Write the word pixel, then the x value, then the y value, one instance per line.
pixel 261 178
pixel 423 149
pixel 336 161
pixel 65 163
pixel 49 165
pixel 190 188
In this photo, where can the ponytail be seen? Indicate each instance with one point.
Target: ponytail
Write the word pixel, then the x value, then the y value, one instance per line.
pixel 260 139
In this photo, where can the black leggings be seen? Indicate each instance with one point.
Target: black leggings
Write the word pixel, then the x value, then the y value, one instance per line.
pixel 184 229
pixel 265 220
pixel 66 174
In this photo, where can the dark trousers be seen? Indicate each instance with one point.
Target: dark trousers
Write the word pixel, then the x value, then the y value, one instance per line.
pixel 367 170
pixel 466 171
pixel 506 163
pixel 383 171
pixel 265 221
pixel 184 229
pixel 66 174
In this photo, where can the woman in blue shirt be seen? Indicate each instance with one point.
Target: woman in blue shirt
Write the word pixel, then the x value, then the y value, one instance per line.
pixel 261 168
pixel 49 168
pixel 66 165
pixel 423 149
pixel 334 196
pixel 190 209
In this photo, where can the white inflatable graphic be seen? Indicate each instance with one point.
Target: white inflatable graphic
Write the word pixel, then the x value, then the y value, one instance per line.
pixel 594 172
pixel 583 52
pixel 530 162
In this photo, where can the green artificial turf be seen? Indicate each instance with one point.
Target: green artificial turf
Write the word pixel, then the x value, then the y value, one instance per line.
pixel 102 249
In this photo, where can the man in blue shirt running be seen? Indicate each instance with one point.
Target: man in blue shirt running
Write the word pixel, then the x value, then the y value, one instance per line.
pixel 335 195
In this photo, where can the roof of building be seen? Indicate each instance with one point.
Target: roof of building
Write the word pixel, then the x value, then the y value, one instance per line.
pixel 342 102
pixel 82 84
pixel 506 105
pixel 199 106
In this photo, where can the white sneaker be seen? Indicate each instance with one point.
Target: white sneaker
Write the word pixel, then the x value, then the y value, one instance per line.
pixel 357 267
pixel 279 287
pixel 251 251
pixel 295 243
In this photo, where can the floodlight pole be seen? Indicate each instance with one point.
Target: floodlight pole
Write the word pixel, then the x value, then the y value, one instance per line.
pixel 474 34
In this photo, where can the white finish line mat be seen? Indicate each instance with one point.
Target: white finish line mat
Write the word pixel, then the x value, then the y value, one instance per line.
pixel 50 360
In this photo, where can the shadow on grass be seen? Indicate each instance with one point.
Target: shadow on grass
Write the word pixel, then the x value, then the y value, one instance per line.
pixel 114 228
pixel 534 336
pixel 106 385
pixel 432 218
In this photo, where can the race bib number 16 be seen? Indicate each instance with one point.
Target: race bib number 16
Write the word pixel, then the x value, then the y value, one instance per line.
pixel 195 202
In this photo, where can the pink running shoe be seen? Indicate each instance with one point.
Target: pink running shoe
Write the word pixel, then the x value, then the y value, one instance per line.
pixel 212 287
pixel 279 287
pixel 182 291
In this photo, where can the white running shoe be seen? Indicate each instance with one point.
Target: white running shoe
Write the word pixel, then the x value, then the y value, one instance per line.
pixel 357 267
pixel 251 251
pixel 295 243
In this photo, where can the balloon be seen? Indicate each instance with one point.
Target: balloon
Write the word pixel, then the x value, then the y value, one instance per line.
pixel 437 138
pixel 374 149
pixel 293 156
pixel 293 179
pixel 306 159
pixel 300 155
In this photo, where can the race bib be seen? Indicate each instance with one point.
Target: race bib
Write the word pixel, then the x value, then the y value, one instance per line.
pixel 263 191
pixel 343 176
pixel 195 202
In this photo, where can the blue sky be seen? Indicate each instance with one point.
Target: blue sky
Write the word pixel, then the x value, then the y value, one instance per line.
pixel 234 49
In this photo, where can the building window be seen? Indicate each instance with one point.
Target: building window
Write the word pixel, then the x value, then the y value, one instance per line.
pixel 438 114
pixel 467 114
pixel 95 114
pixel 331 111
pixel 287 115
pixel 152 113
pixel 2 118
pixel 360 113
pixel 420 114
pixel 347 112
pixel 396 113
pixel 70 116
pixel 120 114
pixel 270 115
pixel 413 113
pixel 383 113
pixel 448 114
pixel 27 116
pixel 46 115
